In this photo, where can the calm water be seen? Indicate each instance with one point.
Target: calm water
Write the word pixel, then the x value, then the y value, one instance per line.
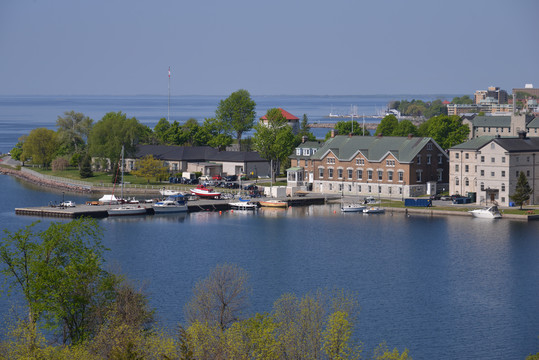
pixel 20 114
pixel 446 288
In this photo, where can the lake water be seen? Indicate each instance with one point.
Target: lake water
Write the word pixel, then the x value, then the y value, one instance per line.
pixel 444 287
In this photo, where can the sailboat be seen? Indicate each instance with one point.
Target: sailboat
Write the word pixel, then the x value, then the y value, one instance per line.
pixel 243 204
pixel 125 209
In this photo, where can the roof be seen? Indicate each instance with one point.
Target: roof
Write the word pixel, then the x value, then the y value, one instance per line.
pixel 195 154
pixel 492 121
pixel 374 148
pixel 515 144
pixel 534 123
pixel 286 115
pixel 473 144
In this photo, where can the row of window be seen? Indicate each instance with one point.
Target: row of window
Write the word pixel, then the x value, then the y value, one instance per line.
pixel 359 174
pixel 368 188
pixel 482 185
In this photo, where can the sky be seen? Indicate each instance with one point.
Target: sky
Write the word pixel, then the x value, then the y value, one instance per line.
pixel 277 47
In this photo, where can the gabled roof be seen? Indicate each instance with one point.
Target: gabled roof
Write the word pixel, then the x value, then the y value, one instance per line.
pixel 516 144
pixel 286 115
pixel 473 144
pixel 492 121
pixel 534 123
pixel 374 148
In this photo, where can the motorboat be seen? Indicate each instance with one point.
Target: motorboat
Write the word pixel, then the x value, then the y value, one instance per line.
pixel 125 210
pixel 490 212
pixel 108 200
pixel 205 192
pixel 167 192
pixel 172 204
pixel 352 207
pixel 373 210
pixel 274 203
pixel 244 205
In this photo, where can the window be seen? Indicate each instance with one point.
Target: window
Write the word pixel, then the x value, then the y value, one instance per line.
pixel 359 174
pixel 349 187
pixel 429 146
pixel 389 190
pixel 330 186
pixel 503 173
pixel 331 160
pixel 482 186
pixel 503 159
pixel 390 175
pixel 517 158
pixel 350 172
pixel 369 174
pixel 527 159
pixel 466 156
pixel 492 145
pixel 503 187
pixel 492 173
pixel 379 189
pixel 429 156
pixel 440 172
pixel 456 167
pixel 456 155
pixel 306 152
pixel 482 159
pixel 466 168
pixel 457 181
pixel 359 188
pixel 330 173
pixel 503 199
pixel 339 173
pixel 401 176
pixel 390 162
pixel 516 173
pixel 369 189
pixel 298 151
pixel 306 163
pixel 418 175
pixel 466 182
pixel 482 172
pixel 360 161
pixel 492 160
pixel 321 173
pixel 340 187
pixel 528 173
pixel 419 159
pixel 380 175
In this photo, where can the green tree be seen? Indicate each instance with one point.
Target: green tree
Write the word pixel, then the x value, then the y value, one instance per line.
pixel 522 190
pixel 383 353
pixel 404 128
pixel 215 134
pixel 348 127
pixel 304 130
pixel 337 334
pixel 237 112
pixel 447 131
pixel 274 141
pixel 73 129
pixel 387 126
pixel 112 132
pixel 149 168
pixel 220 298
pixel 86 167
pixel 16 152
pixel 59 272
pixel 435 108
pixel 161 129
pixel 41 145
pixel 464 99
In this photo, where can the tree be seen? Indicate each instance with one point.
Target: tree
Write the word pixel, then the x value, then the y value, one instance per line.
pixel 59 272
pixel 215 134
pixel 148 168
pixel 74 128
pixel 112 132
pixel 274 141
pixel 220 298
pixel 522 191
pixel 383 353
pixel 348 127
pixel 337 337
pixel 41 146
pixel 161 129
pixel 237 112
pixel 304 130
pixel 447 131
pixel 86 167
pixel 464 99
pixel 387 126
pixel 404 128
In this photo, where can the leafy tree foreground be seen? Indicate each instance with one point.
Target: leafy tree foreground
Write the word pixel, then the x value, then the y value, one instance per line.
pixel 89 313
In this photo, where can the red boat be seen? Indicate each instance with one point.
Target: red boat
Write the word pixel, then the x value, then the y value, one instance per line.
pixel 205 192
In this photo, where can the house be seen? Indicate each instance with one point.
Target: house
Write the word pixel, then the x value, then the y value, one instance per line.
pixel 366 165
pixel 204 159
pixel 504 126
pixel 496 164
pixel 291 120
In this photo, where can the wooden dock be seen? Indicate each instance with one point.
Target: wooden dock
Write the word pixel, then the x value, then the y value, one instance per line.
pixel 100 211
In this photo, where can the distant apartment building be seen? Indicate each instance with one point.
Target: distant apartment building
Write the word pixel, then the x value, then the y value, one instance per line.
pixel 374 166
pixel 527 89
pixel 460 109
pixel 490 166
pixel 493 95
pixel 509 125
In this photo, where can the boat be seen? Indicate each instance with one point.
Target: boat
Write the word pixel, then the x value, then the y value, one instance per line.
pixel 274 203
pixel 352 207
pixel 244 205
pixel 126 209
pixel 108 200
pixel 490 212
pixel 373 210
pixel 172 204
pixel 167 192
pixel 205 192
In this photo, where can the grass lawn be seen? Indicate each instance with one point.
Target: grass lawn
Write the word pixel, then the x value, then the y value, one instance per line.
pixel 98 178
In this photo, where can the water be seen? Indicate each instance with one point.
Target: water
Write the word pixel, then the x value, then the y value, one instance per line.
pixel 20 114
pixel 444 287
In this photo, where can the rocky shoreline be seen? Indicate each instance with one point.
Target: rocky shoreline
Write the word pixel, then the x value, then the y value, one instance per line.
pixel 43 182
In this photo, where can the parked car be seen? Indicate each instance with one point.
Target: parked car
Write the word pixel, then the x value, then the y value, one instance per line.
pixel 68 203
pixel 435 197
pixel 217 177
pixel 231 178
pixel 250 187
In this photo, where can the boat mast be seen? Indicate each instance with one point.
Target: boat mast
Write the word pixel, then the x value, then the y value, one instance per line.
pixel 168 113
pixel 122 165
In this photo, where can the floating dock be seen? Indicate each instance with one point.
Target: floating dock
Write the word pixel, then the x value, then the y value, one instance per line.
pixel 100 211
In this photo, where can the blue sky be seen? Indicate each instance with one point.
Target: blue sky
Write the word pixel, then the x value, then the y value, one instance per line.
pixel 124 47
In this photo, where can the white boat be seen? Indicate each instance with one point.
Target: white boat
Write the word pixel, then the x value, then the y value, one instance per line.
pixel 125 210
pixel 205 192
pixel 490 212
pixel 173 204
pixel 166 192
pixel 109 200
pixel 244 205
pixel 352 207
pixel 373 210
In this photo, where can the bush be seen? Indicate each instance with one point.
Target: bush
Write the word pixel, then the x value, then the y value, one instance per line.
pixel 59 164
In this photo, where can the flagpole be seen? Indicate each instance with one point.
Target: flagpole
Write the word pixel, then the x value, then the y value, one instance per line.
pixel 168 114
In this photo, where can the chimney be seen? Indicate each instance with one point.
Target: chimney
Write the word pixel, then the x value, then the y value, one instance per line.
pixel 332 133
pixel 410 136
pixel 522 135
pixel 303 139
